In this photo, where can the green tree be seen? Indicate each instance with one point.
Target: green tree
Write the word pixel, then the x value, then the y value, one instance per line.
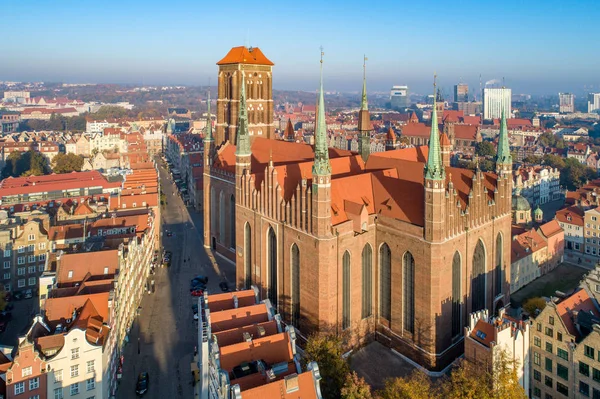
pixel 532 159
pixel 417 386
pixel 534 305
pixel 355 387
pixel 66 163
pixel 327 350
pixel 485 149
pixel 13 162
pixel 554 161
pixel 37 164
pixel 109 112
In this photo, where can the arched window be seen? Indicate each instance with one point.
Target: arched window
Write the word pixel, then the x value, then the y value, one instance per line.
pixel 213 212
pixel 408 291
pixel 248 254
pixel 346 290
pixel 232 222
pixel 478 284
pixel 221 218
pixel 295 266
pixel 385 282
pixel 456 295
pixel 499 275
pixel 272 258
pixel 367 281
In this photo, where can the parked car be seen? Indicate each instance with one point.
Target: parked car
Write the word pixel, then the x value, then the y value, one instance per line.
pixel 196 316
pixel 224 286
pixel 28 294
pixel 142 383
pixel 197 292
pixel 200 278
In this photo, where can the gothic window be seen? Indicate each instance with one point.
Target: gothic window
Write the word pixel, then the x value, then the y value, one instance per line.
pixel 272 258
pixel 456 295
pixel 385 283
pixel 248 254
pixel 367 283
pixel 408 291
pixel 232 221
pixel 221 218
pixel 346 290
pixel 213 211
pixel 478 283
pixel 295 263
pixel 498 273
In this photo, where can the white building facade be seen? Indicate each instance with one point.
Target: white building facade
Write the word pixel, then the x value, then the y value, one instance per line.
pixel 494 101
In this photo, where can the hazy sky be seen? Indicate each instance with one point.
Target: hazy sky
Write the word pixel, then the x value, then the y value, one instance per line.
pixel 538 46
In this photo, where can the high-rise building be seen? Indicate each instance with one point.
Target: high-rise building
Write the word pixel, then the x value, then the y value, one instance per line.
pixel 257 69
pixel 566 102
pixel 461 93
pixel 593 102
pixel 495 100
pixel 399 97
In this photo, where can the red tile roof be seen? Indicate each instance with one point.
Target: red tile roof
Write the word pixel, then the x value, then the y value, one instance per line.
pixel 243 55
pixel 572 215
pixel 579 301
pixel 81 264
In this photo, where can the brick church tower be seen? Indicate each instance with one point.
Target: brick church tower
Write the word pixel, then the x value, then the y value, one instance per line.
pixel 257 70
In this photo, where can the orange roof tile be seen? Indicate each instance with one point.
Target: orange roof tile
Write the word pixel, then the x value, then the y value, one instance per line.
pixel 245 55
pixel 80 264
pixel 238 317
pixel 483 333
pixel 550 228
pixel 579 301
pixel 224 301
pixel 271 349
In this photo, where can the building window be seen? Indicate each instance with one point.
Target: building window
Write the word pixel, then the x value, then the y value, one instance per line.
pixel 21 260
pixel 31 269
pixel 90 366
pixel 537 342
pixel 232 221
pixel 346 290
pixel 248 254
pixel 549 347
pixel 588 351
pixel 19 388
pixel 548 364
pixel 7 264
pixel 385 289
pixel 539 327
pixel 596 374
pixel 367 280
pixel 58 376
pixel 21 283
pixel 563 354
pixel 74 389
pixel 408 291
pixel 221 218
pixel 562 371
pixel 584 388
pixel 551 320
pixel 42 245
pixel 562 389
pixel 6 276
pixel 74 370
pixel 595 393
pixel 90 384
pixel 478 285
pixel 548 381
pixel 58 393
pixel 584 369
pixel 70 274
pixel 21 249
pixel 295 274
pixel 559 336
pixel 34 383
pixel 31 248
pixel 26 371
pixel 272 262
pixel 456 295
pixel 537 375
pixel 499 274
pixel 549 332
pixel 536 359
pixel 42 257
pixel 32 280
pixel 537 393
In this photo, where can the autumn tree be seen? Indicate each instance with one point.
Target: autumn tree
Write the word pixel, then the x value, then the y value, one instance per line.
pixel 417 386
pixel 485 149
pixel 534 305
pixel 356 387
pixel 327 349
pixel 66 163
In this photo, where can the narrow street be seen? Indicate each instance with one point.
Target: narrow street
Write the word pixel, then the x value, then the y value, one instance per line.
pixel 163 337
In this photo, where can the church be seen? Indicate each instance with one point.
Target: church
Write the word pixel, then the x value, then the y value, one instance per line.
pixel 396 246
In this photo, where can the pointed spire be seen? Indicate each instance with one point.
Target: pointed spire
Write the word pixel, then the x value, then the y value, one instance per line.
pixel 289 134
pixel 243 137
pixel 364 105
pixel 434 169
pixel 503 156
pixel 321 165
pixel 208 136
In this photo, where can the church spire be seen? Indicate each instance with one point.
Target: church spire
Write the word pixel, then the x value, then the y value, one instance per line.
pixel 503 156
pixel 321 165
pixel 243 137
pixel 434 169
pixel 364 104
pixel 208 136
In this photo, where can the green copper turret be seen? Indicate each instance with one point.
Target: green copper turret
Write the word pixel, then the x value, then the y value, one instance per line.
pixel 321 165
pixel 503 156
pixel 434 169
pixel 243 137
pixel 364 104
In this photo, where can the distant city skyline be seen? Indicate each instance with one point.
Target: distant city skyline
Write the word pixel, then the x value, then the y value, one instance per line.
pixel 538 47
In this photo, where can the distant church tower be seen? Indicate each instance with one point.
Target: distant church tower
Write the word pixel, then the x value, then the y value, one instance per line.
pixel 257 70
pixel 364 120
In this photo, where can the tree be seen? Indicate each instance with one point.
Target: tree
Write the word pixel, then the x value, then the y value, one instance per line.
pixel 534 305
pixel 109 112
pixel 355 387
pixel 66 163
pixel 554 161
pixel 37 164
pixel 532 159
pixel 13 163
pixel 485 149
pixel 327 350
pixel 417 386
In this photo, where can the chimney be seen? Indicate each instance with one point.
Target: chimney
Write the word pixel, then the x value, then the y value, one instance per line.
pixel 291 383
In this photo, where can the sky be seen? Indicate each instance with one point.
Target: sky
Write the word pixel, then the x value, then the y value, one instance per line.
pixel 537 46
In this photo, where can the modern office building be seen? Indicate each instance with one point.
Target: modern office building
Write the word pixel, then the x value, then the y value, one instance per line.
pixel 496 99
pixel 399 97
pixel 566 102
pixel 593 102
pixel 461 93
